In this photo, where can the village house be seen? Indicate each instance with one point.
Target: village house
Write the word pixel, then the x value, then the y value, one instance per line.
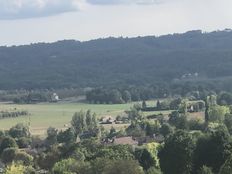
pixel 107 120
pixel 55 97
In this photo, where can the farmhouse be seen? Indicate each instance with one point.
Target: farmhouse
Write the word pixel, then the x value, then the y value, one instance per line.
pixel 55 98
pixel 107 120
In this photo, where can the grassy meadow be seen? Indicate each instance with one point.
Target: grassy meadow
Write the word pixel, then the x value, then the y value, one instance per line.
pixel 58 115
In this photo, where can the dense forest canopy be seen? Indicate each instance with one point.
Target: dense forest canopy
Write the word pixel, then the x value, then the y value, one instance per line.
pixel 194 56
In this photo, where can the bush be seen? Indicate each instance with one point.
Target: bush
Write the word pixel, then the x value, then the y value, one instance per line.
pixel 23 158
pixel 8 155
pixel 153 170
pixel 20 130
pixel 195 125
pixel 24 142
pixel 71 166
pixel 8 142
pixel 205 170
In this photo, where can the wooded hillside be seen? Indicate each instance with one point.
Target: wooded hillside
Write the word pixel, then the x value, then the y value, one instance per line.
pixel 115 61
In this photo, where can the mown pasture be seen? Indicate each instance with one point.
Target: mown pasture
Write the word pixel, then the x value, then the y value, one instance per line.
pixel 58 115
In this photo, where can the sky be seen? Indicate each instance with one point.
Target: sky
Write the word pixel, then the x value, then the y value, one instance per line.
pixel 32 21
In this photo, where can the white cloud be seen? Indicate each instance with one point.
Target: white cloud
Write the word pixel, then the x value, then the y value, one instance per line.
pixel 97 21
pixel 107 2
pixel 17 9
pixel 14 9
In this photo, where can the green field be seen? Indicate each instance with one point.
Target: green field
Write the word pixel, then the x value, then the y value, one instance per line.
pixel 55 114
pixel 58 115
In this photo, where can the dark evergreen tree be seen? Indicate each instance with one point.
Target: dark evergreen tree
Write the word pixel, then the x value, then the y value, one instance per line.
pixel 144 104
pixel 212 149
pixel 176 157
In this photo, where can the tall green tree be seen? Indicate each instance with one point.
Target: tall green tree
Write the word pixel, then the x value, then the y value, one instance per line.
pixel 51 136
pixel 23 158
pixel 123 167
pixel 153 170
pixel 158 105
pixel 228 122
pixel 71 166
pixel 7 142
pixel 176 156
pixel 66 136
pixel 205 170
pixel 226 168
pixel 212 149
pixel 217 113
pixel 166 129
pixel 144 104
pixel 94 120
pixel 224 98
pixel 179 120
pixel 206 112
pixel 85 122
pixel 145 158
pixel 126 96
pixel 20 130
pixel 89 121
pixel 79 122
pixel 211 100
pixel 116 97
pixel 8 155
pixel 134 114
pixel 183 107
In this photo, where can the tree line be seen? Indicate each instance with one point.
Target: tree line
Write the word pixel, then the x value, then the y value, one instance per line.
pixel 112 95
pixel 12 114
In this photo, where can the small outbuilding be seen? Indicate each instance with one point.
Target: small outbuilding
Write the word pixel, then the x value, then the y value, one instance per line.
pixel 55 97
pixel 107 120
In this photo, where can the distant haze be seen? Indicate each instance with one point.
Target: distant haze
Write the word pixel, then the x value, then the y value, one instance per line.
pixel 30 21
